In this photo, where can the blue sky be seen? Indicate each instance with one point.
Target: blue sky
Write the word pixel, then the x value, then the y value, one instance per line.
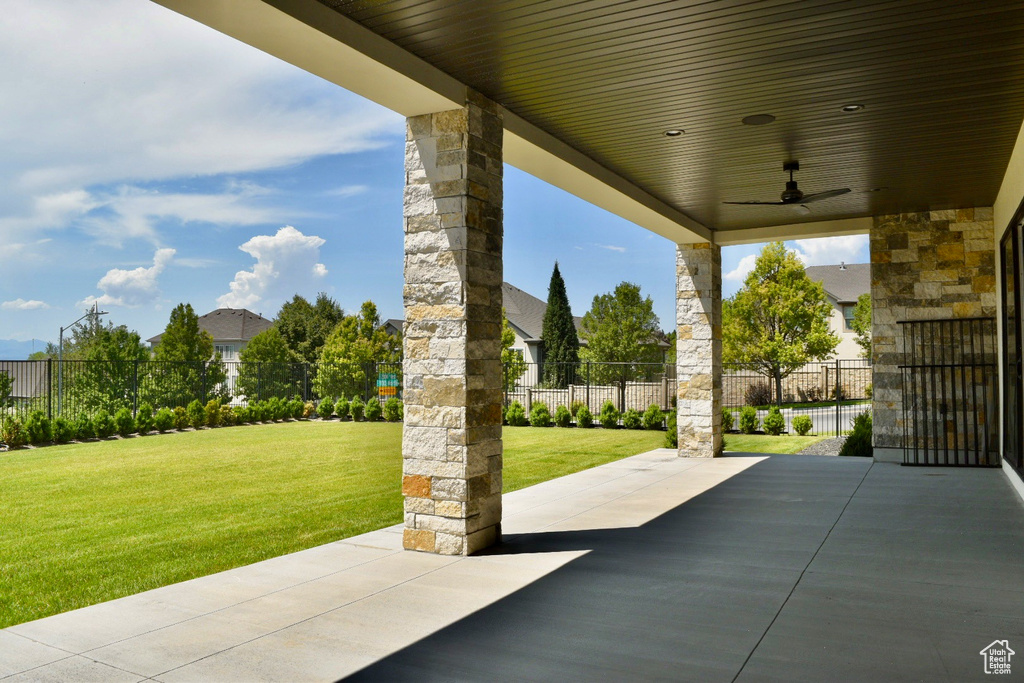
pixel 150 160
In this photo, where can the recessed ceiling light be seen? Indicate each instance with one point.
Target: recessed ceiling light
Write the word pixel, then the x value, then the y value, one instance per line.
pixel 758 119
pixel 674 132
pixel 850 108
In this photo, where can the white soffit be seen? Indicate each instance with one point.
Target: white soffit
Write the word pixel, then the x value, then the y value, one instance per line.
pixel 1011 191
pixel 795 231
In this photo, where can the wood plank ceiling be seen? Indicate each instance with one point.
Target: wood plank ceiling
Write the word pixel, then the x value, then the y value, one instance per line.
pixel 941 82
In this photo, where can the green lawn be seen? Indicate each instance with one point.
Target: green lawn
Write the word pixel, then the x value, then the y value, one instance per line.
pixel 85 523
pixel 762 443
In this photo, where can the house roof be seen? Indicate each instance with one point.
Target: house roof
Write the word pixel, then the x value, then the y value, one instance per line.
pixel 229 324
pixel 843 282
pixel 526 311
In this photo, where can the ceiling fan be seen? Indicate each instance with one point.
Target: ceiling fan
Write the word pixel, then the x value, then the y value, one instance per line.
pixel 792 195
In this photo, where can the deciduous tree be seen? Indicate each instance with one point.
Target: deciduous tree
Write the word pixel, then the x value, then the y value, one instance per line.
pixel 267 368
pixel 305 326
pixel 861 324
pixel 621 327
pixel 355 343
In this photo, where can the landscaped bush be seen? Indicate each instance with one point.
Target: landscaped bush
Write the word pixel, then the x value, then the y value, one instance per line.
pixel 515 414
pixel 296 407
pixel 257 412
pixel 563 418
pixel 196 414
pixel 632 419
pixel 758 394
pixel 164 420
pixel 868 390
pixel 38 428
pixel 373 409
pixel 748 420
pixel 727 420
pixel 12 432
pixel 228 416
pixel 609 417
pixel 124 423
pixel 83 428
pixel 211 413
pixel 308 410
pixel 180 418
pixel 393 410
pixel 343 408
pixel 326 409
pixel 144 419
pixel 653 417
pixel 540 416
pixel 671 431
pixel 584 418
pixel 858 443
pixel 243 415
pixel 63 430
pixel 802 424
pixel 103 424
pixel 273 410
pixel 356 408
pixel 774 422
pixel 574 409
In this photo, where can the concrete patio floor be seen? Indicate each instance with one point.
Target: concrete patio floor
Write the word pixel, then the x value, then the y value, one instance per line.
pixel 748 567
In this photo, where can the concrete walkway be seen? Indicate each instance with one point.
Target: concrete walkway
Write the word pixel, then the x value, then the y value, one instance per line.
pixel 749 568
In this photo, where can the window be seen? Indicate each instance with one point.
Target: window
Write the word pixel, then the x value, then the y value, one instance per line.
pixel 227 352
pixel 848 317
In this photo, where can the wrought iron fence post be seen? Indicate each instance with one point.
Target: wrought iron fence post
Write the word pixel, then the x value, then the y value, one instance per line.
pixel 839 389
pixel 135 388
pixel 305 381
pixel 588 385
pixel 49 388
pixel 203 397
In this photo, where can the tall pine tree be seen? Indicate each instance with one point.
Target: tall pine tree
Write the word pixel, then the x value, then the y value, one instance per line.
pixel 561 343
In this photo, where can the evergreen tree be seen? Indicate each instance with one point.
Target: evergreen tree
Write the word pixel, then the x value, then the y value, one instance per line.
pixel 190 369
pixel 267 368
pixel 561 343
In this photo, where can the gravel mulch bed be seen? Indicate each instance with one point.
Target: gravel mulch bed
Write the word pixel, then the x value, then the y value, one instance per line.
pixel 826 447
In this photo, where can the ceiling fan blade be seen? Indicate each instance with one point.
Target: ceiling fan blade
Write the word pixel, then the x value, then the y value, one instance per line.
pixel 817 197
pixel 757 203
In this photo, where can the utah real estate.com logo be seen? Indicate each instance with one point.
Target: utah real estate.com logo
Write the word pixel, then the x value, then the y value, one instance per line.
pixel 997 657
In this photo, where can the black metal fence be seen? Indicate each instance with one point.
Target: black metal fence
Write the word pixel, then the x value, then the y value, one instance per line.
pixel 74 387
pixel 626 385
pixel 829 393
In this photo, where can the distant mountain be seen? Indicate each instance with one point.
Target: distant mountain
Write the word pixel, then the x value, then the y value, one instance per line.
pixel 11 349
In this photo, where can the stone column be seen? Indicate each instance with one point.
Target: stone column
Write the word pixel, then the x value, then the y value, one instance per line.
pixel 451 441
pixel 699 349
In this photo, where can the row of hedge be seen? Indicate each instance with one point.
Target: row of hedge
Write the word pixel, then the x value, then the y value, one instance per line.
pixel 540 416
pixel 774 422
pixel 38 429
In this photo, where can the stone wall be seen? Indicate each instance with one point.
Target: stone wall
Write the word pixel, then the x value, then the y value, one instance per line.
pixel 924 266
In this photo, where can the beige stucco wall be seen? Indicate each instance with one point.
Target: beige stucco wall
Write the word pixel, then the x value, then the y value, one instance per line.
pixel 847 348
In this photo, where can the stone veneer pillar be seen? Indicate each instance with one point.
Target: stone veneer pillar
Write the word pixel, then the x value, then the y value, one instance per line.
pixel 699 349
pixel 451 440
pixel 924 266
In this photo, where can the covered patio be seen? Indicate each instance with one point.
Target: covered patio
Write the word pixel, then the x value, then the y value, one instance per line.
pixel 746 567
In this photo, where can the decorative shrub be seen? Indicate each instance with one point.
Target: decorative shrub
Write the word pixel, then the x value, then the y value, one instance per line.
pixel 758 394
pixel 103 424
pixel 144 419
pixel 211 413
pixel 326 409
pixel 63 430
pixel 356 407
pixel 653 417
pixel 124 423
pixel 196 414
pixel 563 418
pixel 774 422
pixel 38 428
pixel 574 409
pixel 609 417
pixel 858 443
pixel 296 408
pixel 584 418
pixel 868 390
pixel 394 411
pixel 83 428
pixel 180 418
pixel 12 432
pixel 228 416
pixel 515 414
pixel 540 416
pixel 748 420
pixel 273 412
pixel 671 432
pixel 631 419
pixel 727 420
pixel 373 409
pixel 243 415
pixel 163 420
pixel 343 408
pixel 308 410
pixel 802 424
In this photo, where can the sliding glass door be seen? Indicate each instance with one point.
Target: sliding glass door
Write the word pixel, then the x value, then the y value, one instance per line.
pixel 1012 364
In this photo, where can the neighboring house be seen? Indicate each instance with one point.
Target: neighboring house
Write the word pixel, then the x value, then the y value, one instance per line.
pixel 231 329
pixel 29 380
pixel 843 284
pixel 393 326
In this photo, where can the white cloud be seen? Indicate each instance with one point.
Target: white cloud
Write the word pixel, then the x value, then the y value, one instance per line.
pixel 286 262
pixel 829 250
pixel 131 288
pixel 22 305
pixel 347 191
pixel 741 270
pixel 611 247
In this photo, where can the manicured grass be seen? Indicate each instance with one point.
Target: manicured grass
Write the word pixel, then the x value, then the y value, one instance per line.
pixel 85 523
pixel 762 443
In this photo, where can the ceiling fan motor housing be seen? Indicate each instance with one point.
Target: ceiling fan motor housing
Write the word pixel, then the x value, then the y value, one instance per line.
pixel 791 193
